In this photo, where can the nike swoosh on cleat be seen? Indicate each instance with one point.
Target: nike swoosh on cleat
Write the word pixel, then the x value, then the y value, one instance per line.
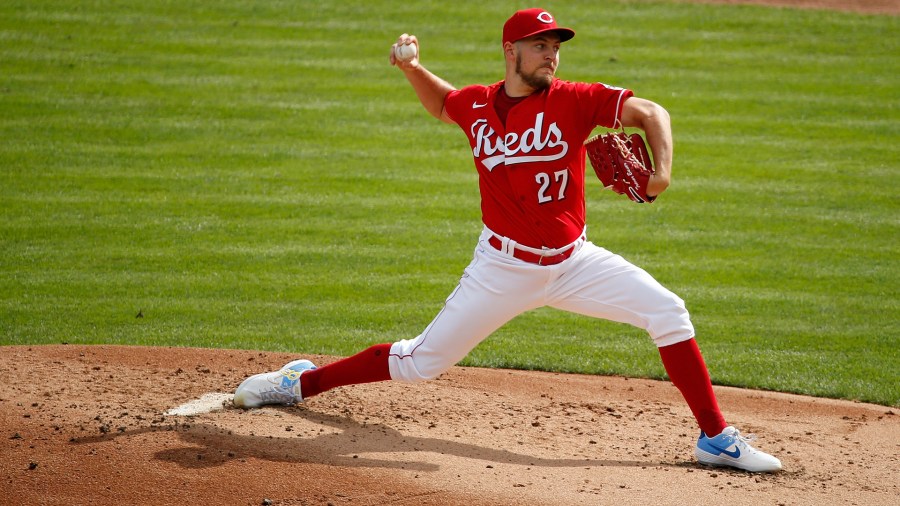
pixel 476 105
pixel 734 454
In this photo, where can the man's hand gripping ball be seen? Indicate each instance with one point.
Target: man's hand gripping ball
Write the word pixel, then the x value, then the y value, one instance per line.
pixel 405 52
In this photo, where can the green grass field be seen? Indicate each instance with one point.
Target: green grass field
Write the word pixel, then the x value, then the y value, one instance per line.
pixel 255 175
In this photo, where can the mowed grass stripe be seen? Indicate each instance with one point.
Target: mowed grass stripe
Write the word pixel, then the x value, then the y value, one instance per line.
pixel 256 176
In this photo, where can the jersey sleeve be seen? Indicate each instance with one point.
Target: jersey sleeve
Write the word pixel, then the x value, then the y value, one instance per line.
pixel 458 104
pixel 451 104
pixel 603 102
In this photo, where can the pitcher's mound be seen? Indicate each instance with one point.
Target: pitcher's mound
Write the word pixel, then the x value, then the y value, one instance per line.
pixel 134 425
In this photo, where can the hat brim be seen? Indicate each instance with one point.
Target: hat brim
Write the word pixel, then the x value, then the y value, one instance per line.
pixel 564 34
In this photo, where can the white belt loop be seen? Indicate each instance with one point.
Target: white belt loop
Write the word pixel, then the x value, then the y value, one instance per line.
pixel 509 246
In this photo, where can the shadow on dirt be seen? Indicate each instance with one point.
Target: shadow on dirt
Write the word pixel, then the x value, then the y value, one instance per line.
pixel 207 445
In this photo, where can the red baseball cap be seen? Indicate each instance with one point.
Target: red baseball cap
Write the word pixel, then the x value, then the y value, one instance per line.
pixel 530 22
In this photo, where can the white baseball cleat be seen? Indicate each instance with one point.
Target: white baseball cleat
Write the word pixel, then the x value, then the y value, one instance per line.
pixel 278 387
pixel 732 449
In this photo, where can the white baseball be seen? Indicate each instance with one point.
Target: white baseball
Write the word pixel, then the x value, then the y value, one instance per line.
pixel 406 52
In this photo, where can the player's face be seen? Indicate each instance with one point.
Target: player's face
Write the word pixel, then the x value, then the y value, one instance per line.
pixel 537 58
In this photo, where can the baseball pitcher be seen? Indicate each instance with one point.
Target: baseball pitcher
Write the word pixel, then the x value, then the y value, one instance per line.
pixel 527 135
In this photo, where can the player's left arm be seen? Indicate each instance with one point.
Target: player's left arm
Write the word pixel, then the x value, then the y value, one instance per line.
pixel 654 120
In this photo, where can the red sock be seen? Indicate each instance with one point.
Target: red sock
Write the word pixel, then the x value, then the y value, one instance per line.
pixel 687 371
pixel 366 366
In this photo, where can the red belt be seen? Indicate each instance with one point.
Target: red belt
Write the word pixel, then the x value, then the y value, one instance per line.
pixel 532 258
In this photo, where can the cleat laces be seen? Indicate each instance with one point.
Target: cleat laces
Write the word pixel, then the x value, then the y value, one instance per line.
pixel 741 440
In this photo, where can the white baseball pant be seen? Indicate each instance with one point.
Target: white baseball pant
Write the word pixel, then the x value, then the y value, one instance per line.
pixel 496 287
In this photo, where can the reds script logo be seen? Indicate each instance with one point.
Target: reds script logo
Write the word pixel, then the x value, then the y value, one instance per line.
pixel 514 148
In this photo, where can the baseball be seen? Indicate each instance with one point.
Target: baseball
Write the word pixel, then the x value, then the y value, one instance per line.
pixel 406 52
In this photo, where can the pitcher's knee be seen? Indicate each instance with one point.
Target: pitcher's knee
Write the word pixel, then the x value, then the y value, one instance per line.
pixel 670 323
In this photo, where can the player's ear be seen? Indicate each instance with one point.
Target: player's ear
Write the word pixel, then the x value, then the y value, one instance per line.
pixel 509 51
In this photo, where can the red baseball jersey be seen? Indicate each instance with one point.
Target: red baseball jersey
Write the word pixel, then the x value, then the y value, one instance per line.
pixel 531 171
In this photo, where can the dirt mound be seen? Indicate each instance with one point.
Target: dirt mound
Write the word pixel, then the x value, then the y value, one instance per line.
pixel 89 425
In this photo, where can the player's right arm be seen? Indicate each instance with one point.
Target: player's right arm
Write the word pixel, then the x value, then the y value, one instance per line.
pixel 431 89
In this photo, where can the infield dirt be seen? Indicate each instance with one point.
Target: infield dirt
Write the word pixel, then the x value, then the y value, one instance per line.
pixel 88 425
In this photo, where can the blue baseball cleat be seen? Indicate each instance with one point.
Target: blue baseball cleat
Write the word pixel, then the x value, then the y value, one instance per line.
pixel 732 449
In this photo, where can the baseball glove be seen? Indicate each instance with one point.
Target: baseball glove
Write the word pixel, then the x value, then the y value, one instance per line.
pixel 622 164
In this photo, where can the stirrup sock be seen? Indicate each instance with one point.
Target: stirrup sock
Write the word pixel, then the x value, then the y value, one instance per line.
pixel 688 372
pixel 367 366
